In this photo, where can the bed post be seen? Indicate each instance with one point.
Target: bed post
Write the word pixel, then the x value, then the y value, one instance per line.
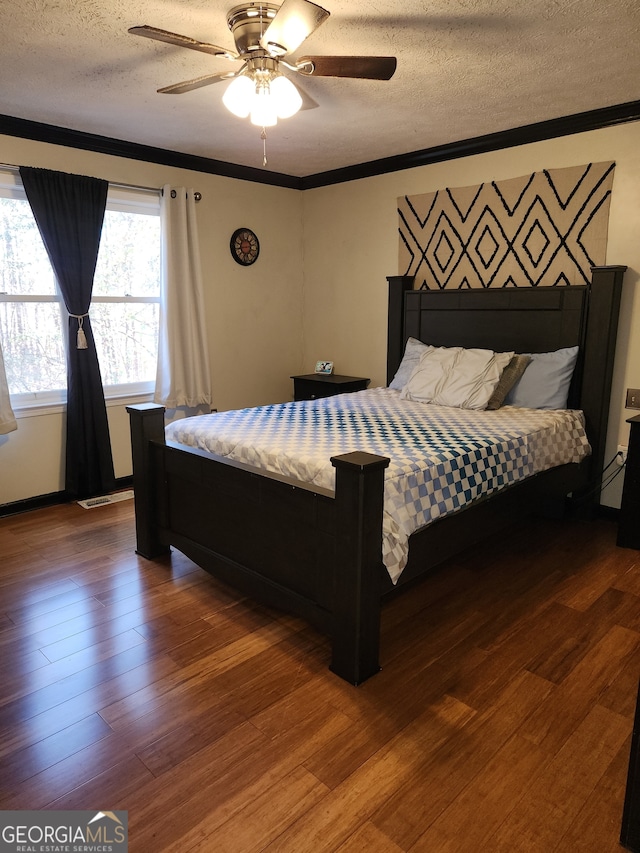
pixel 359 497
pixel 398 284
pixel 597 370
pixel 147 424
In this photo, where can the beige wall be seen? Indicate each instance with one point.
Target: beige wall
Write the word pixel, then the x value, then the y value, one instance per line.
pixel 319 287
pixel 254 314
pixel 351 245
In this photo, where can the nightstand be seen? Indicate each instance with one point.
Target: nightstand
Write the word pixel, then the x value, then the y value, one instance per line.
pixel 310 386
pixel 629 518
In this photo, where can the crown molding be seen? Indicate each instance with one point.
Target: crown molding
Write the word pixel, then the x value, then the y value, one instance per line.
pixel 551 129
pixel 54 135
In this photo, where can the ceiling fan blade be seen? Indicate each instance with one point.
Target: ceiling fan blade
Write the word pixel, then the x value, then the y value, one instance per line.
pixel 196 83
pixel 182 41
pixel 294 21
pixel 362 67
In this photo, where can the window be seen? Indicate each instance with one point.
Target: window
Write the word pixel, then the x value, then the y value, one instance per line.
pixel 124 307
pixel 126 291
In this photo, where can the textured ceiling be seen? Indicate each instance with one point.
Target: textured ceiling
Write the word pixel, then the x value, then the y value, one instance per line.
pixel 466 68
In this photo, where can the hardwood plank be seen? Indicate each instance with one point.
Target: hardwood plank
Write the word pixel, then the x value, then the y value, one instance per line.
pixel 598 572
pixel 356 799
pixel 187 738
pixel 131 612
pixel 85 649
pixel 116 785
pixel 21 662
pixel 581 689
pixel 620 694
pixel 446 770
pixel 264 819
pixel 73 686
pixel 368 837
pixel 68 775
pixel 381 717
pixel 32 590
pixel 32 634
pixel 81 705
pixel 562 786
pixel 226 626
pixel 200 676
pixel 488 797
pixel 30 760
pixel 599 816
pixel 629 581
pixel 583 631
pixel 229 774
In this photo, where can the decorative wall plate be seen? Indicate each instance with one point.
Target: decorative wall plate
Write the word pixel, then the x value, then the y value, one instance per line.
pixel 244 246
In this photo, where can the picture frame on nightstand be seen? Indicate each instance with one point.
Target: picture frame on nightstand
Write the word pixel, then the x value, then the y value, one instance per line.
pixel 325 367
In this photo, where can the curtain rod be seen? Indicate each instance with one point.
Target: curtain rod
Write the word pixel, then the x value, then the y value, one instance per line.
pixel 197 195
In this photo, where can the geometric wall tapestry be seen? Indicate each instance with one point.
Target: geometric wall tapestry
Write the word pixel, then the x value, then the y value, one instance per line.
pixel 544 229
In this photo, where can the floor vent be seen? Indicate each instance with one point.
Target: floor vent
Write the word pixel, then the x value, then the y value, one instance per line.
pixel 90 503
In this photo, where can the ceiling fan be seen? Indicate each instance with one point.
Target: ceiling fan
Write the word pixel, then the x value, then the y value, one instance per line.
pixel 264 35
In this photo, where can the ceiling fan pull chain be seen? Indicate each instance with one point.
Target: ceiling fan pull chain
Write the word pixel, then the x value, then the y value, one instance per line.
pixel 263 137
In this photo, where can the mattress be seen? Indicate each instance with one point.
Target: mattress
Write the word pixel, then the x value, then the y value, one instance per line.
pixel 441 458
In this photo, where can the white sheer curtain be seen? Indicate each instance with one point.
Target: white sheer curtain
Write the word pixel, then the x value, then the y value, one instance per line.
pixel 7 418
pixel 182 378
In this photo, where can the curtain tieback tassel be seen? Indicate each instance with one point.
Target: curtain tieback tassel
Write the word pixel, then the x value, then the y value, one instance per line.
pixel 81 338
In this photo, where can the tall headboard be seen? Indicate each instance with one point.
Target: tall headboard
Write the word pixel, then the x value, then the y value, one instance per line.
pixel 530 319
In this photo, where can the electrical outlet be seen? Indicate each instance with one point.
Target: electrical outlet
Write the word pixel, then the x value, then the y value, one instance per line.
pixel 633 398
pixel 621 457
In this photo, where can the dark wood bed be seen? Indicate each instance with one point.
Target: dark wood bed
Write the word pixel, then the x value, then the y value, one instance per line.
pixel 318 553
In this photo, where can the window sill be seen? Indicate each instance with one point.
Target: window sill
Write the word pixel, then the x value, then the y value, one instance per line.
pixel 41 409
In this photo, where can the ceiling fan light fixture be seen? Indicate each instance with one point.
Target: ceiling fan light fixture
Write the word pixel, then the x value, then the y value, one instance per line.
pixel 239 95
pixel 286 97
pixel 263 107
pixel 263 93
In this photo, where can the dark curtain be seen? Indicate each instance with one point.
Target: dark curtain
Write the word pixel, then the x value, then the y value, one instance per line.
pixel 69 211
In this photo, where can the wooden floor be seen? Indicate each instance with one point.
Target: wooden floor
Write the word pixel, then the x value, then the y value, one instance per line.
pixel 501 720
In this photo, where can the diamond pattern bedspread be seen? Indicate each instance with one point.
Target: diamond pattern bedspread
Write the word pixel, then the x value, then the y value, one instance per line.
pixel 441 457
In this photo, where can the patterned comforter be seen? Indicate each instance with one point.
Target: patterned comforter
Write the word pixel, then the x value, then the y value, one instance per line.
pixel 441 457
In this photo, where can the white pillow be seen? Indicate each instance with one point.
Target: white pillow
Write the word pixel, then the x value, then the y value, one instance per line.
pixel 412 352
pixel 453 376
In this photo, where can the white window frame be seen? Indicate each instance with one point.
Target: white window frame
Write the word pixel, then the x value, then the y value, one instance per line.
pixel 119 197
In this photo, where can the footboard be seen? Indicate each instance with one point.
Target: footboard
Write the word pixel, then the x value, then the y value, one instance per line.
pixel 300 548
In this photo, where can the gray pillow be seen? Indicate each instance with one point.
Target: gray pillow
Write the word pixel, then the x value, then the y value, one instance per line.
pixel 412 353
pixel 545 383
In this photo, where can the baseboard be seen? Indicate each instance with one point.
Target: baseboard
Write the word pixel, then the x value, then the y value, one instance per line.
pixel 609 512
pixel 52 499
